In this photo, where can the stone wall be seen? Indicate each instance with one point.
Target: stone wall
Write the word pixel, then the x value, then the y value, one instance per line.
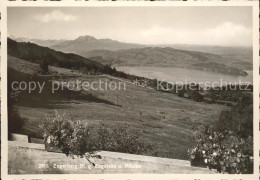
pixel 32 158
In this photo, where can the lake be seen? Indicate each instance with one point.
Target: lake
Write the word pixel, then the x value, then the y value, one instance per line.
pixel 181 75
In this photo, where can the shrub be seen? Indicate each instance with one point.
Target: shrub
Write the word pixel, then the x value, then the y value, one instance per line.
pixel 228 145
pixel 76 139
pixel 118 139
pixel 225 151
pixel 70 137
pixel 15 121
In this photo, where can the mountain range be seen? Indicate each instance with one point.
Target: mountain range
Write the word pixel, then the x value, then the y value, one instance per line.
pixel 225 60
pixel 88 43
pixel 40 42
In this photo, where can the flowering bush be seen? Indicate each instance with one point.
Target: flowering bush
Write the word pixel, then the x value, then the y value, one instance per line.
pixel 224 151
pixel 70 137
pixel 76 139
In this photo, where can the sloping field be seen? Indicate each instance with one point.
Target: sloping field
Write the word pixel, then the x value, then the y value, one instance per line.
pixel 33 68
pixel 165 120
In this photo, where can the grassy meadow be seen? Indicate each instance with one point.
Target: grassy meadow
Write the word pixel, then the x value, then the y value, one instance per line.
pixel 165 120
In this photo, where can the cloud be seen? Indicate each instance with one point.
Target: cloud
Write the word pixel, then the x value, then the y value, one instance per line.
pixel 156 30
pixel 230 34
pixel 55 15
pixel 227 33
pixel 229 29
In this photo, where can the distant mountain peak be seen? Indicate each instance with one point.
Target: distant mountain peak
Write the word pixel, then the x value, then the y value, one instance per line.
pixel 86 38
pixel 40 42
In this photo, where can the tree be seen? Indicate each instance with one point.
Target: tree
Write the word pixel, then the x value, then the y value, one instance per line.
pixel 193 92
pixel 44 67
pixel 180 90
pixel 239 118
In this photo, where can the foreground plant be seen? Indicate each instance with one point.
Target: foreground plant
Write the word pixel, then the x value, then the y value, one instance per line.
pixel 70 137
pixel 224 151
pixel 119 139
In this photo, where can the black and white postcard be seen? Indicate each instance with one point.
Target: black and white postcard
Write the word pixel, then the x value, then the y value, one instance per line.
pixel 155 88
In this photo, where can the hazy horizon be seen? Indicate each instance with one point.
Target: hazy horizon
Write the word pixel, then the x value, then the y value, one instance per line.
pixel 209 26
pixel 11 36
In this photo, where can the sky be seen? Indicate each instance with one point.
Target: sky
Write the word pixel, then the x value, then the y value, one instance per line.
pixel 222 26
